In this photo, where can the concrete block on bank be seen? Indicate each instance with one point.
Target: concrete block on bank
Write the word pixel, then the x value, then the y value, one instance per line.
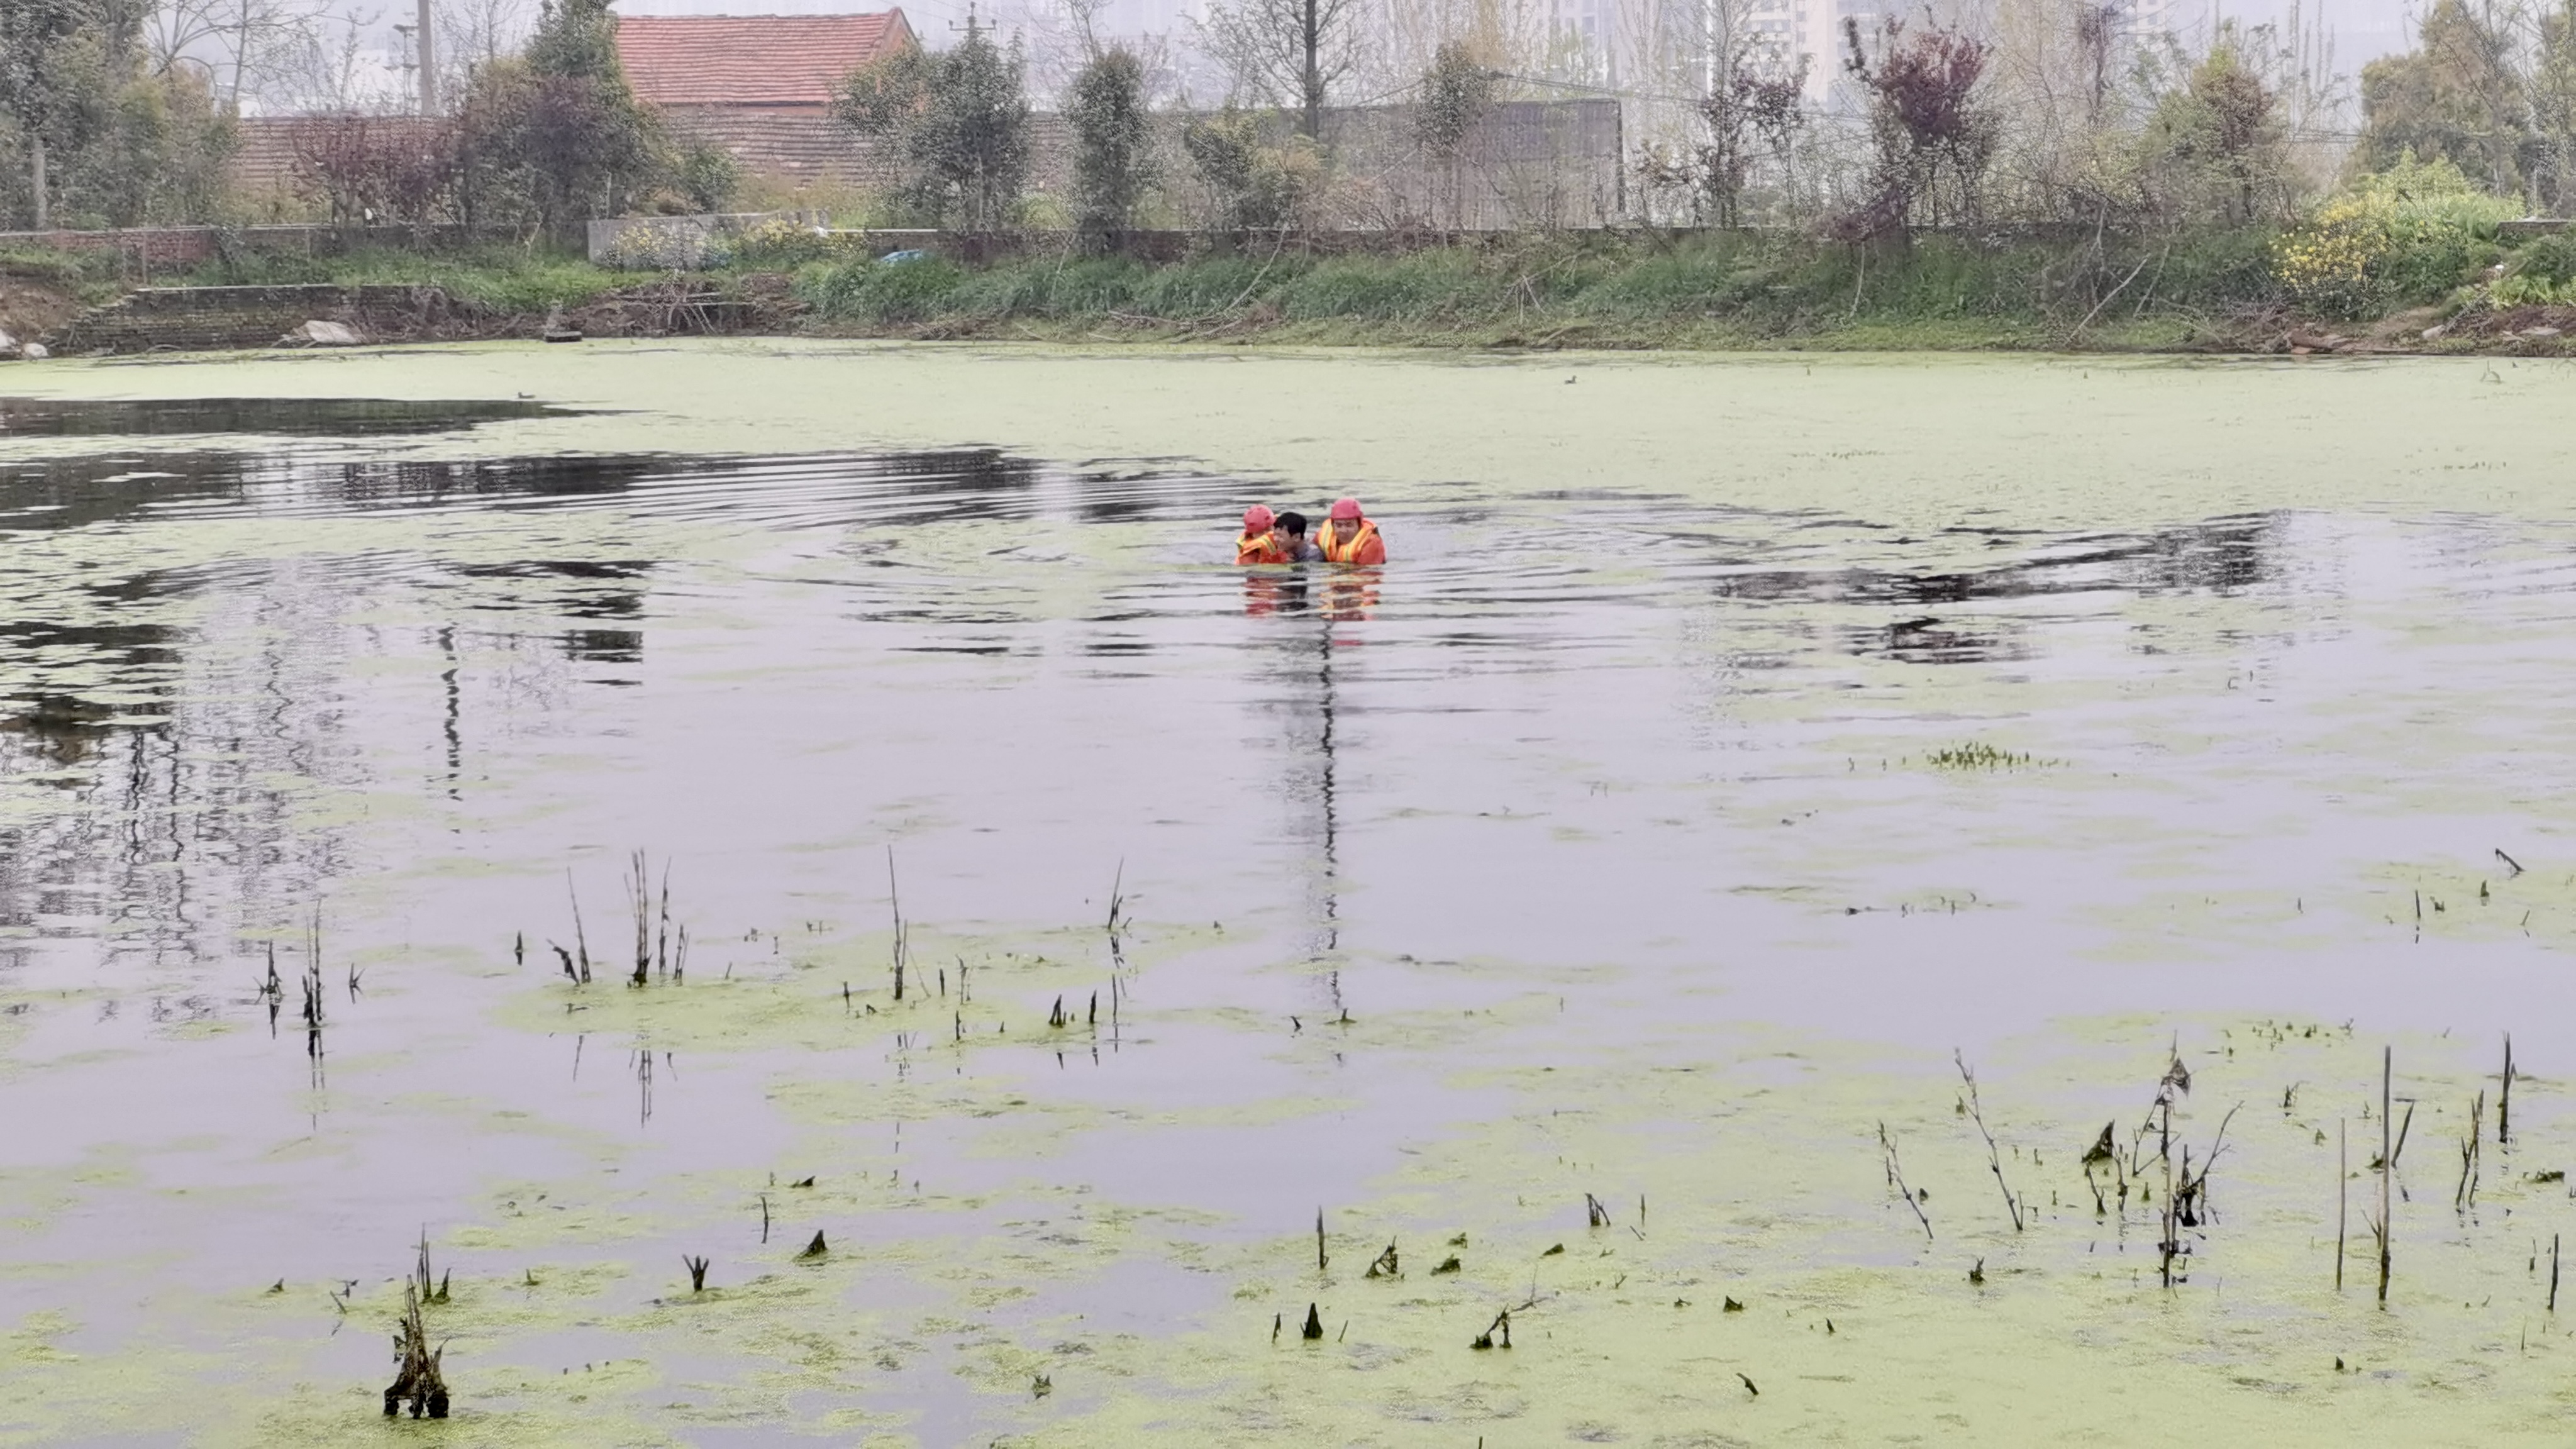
pixel 321 334
pixel 35 352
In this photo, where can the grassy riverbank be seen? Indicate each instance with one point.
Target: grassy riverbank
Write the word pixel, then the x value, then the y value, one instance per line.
pixel 2216 290
pixel 1593 291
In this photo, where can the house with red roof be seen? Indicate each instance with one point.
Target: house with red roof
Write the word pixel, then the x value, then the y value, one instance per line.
pixel 767 65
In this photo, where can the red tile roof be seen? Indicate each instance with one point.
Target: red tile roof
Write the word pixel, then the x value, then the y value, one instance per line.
pixel 751 60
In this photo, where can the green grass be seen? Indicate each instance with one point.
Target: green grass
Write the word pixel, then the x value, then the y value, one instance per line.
pixel 2178 292
pixel 91 276
pixel 1975 755
pixel 503 278
pixel 1596 290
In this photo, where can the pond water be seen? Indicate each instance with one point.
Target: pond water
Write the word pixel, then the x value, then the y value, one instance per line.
pixel 1592 896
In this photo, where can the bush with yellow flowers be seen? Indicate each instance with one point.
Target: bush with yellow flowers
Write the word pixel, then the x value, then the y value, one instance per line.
pixel 2406 235
pixel 781 242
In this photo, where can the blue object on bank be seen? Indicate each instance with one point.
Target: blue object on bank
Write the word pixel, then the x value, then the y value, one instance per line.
pixel 910 254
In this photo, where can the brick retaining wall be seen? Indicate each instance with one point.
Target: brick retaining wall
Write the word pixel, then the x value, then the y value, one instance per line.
pixel 194 318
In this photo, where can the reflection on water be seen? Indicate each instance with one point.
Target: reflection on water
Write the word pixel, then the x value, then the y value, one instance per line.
pixel 206 688
pixel 273 417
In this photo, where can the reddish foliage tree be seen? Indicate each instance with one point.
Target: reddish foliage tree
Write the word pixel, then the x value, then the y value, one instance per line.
pixel 377 169
pixel 1933 136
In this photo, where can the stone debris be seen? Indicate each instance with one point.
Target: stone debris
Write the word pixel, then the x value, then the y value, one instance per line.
pixel 35 351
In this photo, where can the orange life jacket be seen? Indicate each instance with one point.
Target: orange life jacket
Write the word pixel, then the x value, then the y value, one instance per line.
pixel 1259 548
pixel 1365 546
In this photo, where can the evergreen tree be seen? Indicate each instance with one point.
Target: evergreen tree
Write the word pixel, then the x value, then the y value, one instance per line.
pixel 958 124
pixel 556 136
pixel 1114 164
pixel 40 81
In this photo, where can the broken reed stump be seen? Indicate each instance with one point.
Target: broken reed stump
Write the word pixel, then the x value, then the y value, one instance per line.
pixel 1314 1322
pixel 816 1248
pixel 417 1383
pixel 697 1272
pixel 1498 1334
pixel 1594 1214
pixel 2504 1097
pixel 2343 1195
pixel 1385 1266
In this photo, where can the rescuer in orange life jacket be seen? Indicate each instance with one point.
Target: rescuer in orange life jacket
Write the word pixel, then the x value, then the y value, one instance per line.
pixel 1351 538
pixel 1260 543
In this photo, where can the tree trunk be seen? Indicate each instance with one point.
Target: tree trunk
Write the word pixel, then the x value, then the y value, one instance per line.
pixel 36 174
pixel 1311 12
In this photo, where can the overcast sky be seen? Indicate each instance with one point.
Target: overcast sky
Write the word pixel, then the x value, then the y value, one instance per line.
pixel 2363 29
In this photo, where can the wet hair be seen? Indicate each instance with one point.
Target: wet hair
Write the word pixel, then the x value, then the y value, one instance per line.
pixel 1292 522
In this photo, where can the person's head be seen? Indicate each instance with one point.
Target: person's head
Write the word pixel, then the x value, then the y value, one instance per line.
pixel 1256 519
pixel 1345 518
pixel 1292 525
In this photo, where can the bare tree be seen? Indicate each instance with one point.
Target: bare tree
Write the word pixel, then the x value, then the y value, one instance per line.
pixel 247 48
pixel 336 72
pixel 475 33
pixel 1287 52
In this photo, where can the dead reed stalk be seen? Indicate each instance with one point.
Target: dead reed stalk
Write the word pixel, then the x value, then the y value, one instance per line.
pixel 2387 1161
pixel 1896 1179
pixel 639 904
pixel 902 935
pixel 580 938
pixel 1994 1154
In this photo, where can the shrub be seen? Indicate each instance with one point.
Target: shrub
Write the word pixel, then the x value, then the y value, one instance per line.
pixel 883 292
pixel 2406 235
pixel 782 243
pixel 1409 289
pixel 2542 270
pixel 1251 184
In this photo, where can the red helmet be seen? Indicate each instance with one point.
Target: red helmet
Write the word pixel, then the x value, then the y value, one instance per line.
pixel 1256 519
pixel 1345 508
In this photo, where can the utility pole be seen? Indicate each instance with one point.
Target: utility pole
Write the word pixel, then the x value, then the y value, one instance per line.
pixel 428 65
pixel 409 36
